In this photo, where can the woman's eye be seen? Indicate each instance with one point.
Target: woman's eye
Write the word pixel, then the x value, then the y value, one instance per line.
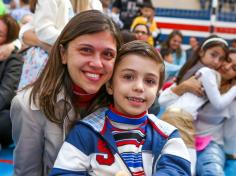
pixel 109 55
pixel 85 50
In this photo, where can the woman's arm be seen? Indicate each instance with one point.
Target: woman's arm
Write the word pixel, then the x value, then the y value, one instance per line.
pixel 209 83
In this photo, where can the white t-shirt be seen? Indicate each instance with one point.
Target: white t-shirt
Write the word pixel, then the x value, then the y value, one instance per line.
pixel 49 19
pixel 190 103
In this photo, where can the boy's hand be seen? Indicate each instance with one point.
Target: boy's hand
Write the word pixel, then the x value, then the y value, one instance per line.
pixel 122 173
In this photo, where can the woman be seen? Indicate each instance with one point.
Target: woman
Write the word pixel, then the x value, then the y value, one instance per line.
pixel 42 114
pixel 141 32
pixel 211 123
pixel 173 43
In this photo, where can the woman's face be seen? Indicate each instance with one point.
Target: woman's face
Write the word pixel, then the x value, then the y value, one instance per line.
pixel 3 32
pixel 175 42
pixel 213 57
pixel 228 67
pixel 141 33
pixel 90 60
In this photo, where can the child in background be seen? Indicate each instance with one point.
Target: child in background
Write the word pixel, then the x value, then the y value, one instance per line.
pixel 124 137
pixel 167 55
pixel 170 68
pixel 147 17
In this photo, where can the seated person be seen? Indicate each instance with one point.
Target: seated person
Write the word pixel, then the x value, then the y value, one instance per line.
pixel 10 71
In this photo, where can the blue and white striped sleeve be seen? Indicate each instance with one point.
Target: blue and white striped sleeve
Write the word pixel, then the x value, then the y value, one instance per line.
pixel 174 159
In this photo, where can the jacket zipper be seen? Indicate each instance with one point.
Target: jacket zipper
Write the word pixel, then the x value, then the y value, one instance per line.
pixel 124 165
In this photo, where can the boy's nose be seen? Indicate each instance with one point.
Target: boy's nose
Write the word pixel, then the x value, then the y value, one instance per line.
pixel 139 86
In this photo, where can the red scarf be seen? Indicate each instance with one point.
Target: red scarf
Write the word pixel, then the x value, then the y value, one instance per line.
pixel 81 98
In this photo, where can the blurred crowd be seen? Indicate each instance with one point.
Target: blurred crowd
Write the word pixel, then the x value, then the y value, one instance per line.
pixel 30 28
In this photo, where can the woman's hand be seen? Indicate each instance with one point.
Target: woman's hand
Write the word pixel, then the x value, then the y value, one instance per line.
pixel 192 85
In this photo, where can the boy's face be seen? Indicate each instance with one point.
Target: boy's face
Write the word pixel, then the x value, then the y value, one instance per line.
pixel 135 84
pixel 147 12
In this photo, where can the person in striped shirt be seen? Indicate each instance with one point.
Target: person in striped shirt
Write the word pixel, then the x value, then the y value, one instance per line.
pixel 124 139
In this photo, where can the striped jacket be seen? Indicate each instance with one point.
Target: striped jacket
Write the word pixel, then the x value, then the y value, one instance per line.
pixel 91 150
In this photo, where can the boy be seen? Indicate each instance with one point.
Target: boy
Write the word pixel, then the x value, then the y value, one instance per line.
pixel 124 137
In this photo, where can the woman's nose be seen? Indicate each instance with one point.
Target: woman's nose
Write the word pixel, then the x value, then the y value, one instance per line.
pixel 96 61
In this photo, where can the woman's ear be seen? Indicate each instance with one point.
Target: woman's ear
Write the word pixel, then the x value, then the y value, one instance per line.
pixel 63 54
pixel 109 88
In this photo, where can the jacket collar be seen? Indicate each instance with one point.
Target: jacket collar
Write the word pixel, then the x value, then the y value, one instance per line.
pixel 35 106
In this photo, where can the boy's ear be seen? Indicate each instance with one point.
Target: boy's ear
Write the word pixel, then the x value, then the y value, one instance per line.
pixel 63 54
pixel 109 88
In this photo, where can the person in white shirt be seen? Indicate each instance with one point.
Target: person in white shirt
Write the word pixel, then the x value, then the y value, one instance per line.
pixel 49 19
pixel 182 110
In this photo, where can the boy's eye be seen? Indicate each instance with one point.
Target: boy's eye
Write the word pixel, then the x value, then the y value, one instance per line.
pixel 151 81
pixel 128 77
